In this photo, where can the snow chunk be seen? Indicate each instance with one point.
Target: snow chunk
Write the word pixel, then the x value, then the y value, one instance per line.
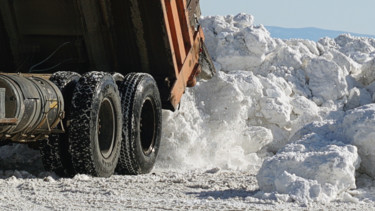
pixel 306 110
pixel 243 20
pixel 358 97
pixel 275 106
pixel 367 76
pixel 235 43
pixel 82 177
pixel 255 138
pixel 326 79
pixel 301 104
pixel 358 126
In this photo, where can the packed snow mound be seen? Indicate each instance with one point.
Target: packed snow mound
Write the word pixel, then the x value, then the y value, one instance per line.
pixel 313 168
pixel 277 86
pixel 354 127
pixel 288 97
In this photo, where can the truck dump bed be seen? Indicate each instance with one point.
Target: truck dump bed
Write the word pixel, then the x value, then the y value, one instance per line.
pixel 160 37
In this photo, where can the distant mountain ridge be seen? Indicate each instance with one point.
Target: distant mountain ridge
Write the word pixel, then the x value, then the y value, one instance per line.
pixel 310 33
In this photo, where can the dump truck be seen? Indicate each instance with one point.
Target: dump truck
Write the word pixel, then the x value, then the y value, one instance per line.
pixel 85 81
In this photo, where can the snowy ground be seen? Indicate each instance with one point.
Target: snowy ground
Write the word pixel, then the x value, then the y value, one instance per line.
pixel 213 189
pixel 285 124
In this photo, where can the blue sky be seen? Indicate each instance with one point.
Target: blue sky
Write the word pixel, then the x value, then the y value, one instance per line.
pixel 356 16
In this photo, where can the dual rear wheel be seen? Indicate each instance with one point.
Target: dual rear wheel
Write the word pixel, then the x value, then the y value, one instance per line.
pixel 109 125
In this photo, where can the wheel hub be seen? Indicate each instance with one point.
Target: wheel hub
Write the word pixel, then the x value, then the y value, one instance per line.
pixel 148 126
pixel 106 128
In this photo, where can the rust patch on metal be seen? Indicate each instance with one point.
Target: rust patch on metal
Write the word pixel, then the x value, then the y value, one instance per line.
pixel 8 121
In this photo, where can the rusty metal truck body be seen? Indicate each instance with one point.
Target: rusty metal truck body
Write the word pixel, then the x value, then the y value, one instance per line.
pixel 116 51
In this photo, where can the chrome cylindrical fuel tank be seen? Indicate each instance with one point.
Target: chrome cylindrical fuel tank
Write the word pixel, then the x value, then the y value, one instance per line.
pixel 35 104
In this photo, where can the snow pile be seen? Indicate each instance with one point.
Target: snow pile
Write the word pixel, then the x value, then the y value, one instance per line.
pixel 266 91
pixel 320 162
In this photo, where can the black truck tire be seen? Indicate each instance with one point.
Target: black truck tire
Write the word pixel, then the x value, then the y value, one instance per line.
pixel 142 124
pixel 54 150
pixel 95 135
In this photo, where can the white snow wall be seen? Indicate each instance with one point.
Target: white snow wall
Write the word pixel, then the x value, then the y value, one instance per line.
pixel 265 91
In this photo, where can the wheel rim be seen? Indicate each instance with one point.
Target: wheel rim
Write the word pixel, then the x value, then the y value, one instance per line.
pixel 106 128
pixel 148 126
